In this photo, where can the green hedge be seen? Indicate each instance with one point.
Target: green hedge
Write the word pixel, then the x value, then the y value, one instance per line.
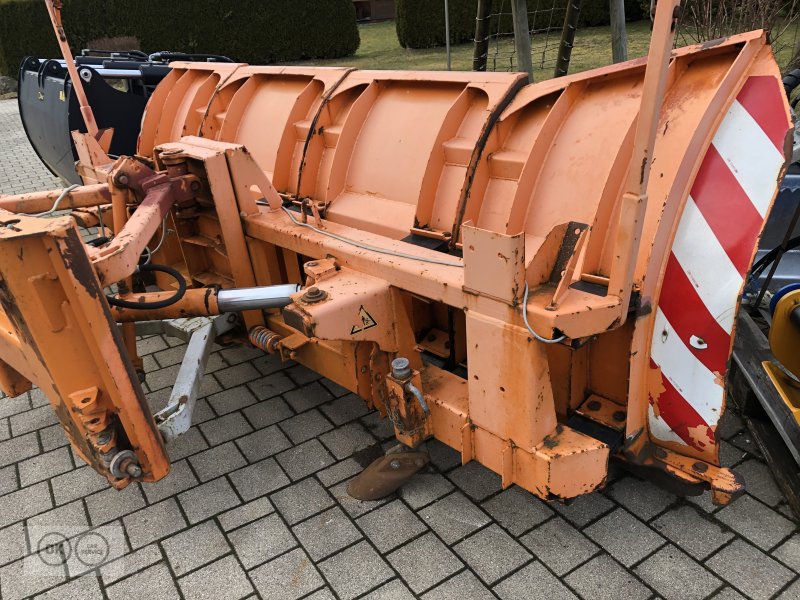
pixel 253 31
pixel 420 23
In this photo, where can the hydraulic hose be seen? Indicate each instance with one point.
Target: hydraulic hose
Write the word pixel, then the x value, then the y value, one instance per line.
pixel 179 293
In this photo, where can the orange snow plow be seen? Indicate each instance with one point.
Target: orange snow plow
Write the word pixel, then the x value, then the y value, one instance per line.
pixel 542 277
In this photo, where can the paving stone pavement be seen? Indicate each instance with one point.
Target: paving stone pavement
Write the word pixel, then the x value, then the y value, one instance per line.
pixel 256 507
pixel 20 169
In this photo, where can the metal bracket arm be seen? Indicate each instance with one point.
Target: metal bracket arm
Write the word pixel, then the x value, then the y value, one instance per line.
pixel 176 418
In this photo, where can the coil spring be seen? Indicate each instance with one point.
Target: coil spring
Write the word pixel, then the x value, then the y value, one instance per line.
pixel 264 338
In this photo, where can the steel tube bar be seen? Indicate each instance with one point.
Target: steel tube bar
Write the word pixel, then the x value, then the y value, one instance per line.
pixel 273 296
pixel 82 197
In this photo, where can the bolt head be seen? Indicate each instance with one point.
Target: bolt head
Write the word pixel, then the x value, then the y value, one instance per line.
pixel 401 368
pixel 395 464
pixel 400 363
pixel 314 294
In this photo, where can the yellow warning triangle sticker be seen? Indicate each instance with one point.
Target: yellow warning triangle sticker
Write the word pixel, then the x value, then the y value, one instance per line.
pixel 366 321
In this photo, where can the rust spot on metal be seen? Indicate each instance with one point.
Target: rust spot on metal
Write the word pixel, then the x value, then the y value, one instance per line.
pixel 76 261
pixel 719 379
pixel 702 436
pixel 655 387
pixel 714 43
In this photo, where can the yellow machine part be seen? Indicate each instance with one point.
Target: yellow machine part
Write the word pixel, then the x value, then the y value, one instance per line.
pixel 784 340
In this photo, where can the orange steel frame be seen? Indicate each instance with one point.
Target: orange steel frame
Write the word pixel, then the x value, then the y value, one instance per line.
pixel 562 187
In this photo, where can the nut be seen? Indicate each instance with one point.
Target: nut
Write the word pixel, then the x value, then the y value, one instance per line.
pixel 314 295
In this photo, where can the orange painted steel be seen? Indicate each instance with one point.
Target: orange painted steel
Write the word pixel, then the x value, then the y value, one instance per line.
pixel 57 332
pixel 523 246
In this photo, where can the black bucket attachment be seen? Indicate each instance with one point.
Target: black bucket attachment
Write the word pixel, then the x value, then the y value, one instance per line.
pixel 117 90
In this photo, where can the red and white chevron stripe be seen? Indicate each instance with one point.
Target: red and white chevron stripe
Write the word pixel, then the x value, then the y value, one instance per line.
pixel 710 257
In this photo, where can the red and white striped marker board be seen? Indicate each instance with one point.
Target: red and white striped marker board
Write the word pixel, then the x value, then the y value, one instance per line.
pixel 710 257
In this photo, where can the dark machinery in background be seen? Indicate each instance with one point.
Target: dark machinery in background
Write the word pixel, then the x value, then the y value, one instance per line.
pixel 117 85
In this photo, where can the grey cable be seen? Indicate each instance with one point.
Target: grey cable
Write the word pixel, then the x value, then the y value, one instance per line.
pixel 363 246
pixel 100 219
pixel 64 193
pixel 161 241
pixel 544 340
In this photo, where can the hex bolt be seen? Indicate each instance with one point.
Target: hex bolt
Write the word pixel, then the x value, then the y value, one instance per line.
pixel 103 438
pixel 134 470
pixel 314 294
pixel 699 467
pixel 401 368
pixel 395 464
pixel 660 452
pixel 122 180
